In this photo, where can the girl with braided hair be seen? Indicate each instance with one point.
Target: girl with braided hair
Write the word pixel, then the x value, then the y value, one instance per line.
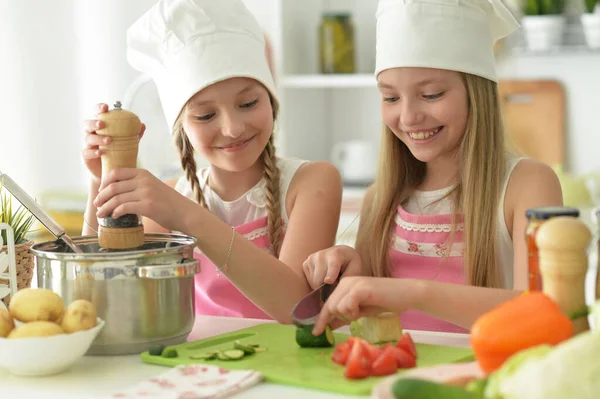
pixel 256 216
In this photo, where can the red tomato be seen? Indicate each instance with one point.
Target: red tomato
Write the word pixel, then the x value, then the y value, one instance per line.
pixel 359 362
pixel 403 358
pixel 341 353
pixel 386 363
pixel 407 344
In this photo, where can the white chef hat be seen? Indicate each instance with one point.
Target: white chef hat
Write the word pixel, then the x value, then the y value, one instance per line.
pixel 457 35
pixel 187 45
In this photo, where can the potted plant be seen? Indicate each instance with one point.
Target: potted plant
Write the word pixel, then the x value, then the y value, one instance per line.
pixel 21 222
pixel 543 24
pixel 590 21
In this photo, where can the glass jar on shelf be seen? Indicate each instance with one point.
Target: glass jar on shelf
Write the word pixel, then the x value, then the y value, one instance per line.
pixel 336 43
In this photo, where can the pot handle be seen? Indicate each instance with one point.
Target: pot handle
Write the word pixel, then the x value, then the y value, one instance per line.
pixel 184 269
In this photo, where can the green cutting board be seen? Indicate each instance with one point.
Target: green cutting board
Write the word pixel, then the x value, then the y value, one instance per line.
pixel 286 363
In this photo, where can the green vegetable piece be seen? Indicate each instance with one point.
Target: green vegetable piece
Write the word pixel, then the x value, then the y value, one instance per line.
pixel 385 327
pixel 305 339
pixel 169 352
pixel 204 356
pixel 411 388
pixel 156 350
pixel 477 386
pixel 234 354
pixel 248 350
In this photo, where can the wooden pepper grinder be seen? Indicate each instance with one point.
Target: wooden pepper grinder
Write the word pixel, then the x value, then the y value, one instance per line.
pixel 124 128
pixel 562 243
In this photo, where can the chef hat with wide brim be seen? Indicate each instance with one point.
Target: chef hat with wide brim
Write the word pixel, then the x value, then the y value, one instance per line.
pixel 187 45
pixel 457 35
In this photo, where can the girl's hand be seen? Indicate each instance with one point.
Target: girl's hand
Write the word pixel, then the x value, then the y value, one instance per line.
pixel 91 152
pixel 325 266
pixel 355 297
pixel 137 191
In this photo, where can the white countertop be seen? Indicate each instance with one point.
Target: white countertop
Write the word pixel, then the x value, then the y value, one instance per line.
pixel 95 377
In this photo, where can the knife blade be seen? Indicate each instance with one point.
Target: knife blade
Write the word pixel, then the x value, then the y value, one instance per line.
pixel 305 312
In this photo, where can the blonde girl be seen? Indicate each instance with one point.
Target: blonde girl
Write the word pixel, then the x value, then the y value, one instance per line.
pixel 446 214
pixel 256 217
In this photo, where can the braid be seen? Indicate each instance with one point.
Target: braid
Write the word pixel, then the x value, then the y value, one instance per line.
pixel 273 196
pixel 188 163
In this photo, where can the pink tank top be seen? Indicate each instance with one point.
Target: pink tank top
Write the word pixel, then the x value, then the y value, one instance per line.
pixel 215 294
pixel 421 250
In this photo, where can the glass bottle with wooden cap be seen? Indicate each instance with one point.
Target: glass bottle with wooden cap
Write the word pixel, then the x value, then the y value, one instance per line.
pixel 562 243
pixel 123 127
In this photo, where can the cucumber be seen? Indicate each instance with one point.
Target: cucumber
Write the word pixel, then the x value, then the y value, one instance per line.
pixel 259 349
pixel 248 350
pixel 305 339
pixel 204 356
pixel 169 352
pixel 234 354
pixel 156 350
pixel 410 388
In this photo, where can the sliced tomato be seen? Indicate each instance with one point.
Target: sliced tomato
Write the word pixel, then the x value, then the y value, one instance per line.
pixel 386 363
pixel 359 362
pixel 351 341
pixel 374 351
pixel 404 359
pixel 406 342
pixel 341 353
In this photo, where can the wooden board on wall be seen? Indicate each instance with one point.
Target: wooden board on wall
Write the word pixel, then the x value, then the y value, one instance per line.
pixel 534 118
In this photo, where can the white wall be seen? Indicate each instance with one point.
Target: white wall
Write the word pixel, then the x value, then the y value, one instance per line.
pixel 57 62
pixel 60 60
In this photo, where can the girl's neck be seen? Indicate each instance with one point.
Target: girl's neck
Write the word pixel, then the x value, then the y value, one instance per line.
pixel 441 173
pixel 230 186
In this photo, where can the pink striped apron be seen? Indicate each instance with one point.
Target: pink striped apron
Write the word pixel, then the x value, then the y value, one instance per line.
pixel 216 295
pixel 421 250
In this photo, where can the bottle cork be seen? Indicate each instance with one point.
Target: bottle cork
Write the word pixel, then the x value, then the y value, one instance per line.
pixel 124 128
pixel 562 243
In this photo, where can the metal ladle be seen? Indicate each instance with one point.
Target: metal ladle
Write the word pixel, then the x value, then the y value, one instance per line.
pixel 32 206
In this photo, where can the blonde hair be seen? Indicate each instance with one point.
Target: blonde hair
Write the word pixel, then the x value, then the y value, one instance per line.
pixel 477 195
pixel 271 174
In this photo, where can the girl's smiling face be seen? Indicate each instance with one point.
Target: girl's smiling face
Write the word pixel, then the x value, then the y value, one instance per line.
pixel 230 123
pixel 426 108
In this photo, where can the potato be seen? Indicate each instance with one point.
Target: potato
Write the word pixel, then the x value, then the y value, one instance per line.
pixel 36 329
pixel 79 315
pixel 36 304
pixel 6 323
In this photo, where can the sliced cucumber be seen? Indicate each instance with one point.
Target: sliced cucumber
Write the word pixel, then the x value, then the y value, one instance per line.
pixel 234 354
pixel 156 350
pixel 305 338
pixel 169 352
pixel 204 356
pixel 248 350
pixel 221 356
pixel 259 349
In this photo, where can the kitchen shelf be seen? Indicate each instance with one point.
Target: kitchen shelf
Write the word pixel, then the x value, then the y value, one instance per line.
pixel 572 49
pixel 329 81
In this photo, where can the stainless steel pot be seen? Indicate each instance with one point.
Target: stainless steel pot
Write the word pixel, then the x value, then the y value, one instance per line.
pixel 145 296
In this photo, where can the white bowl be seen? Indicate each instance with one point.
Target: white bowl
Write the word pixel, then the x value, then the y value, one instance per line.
pixel 39 356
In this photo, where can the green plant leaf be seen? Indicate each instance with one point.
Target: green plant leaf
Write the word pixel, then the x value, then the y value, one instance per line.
pixel 590 5
pixel 20 220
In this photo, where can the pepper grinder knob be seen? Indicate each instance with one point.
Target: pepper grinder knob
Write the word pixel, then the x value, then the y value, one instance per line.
pixel 562 243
